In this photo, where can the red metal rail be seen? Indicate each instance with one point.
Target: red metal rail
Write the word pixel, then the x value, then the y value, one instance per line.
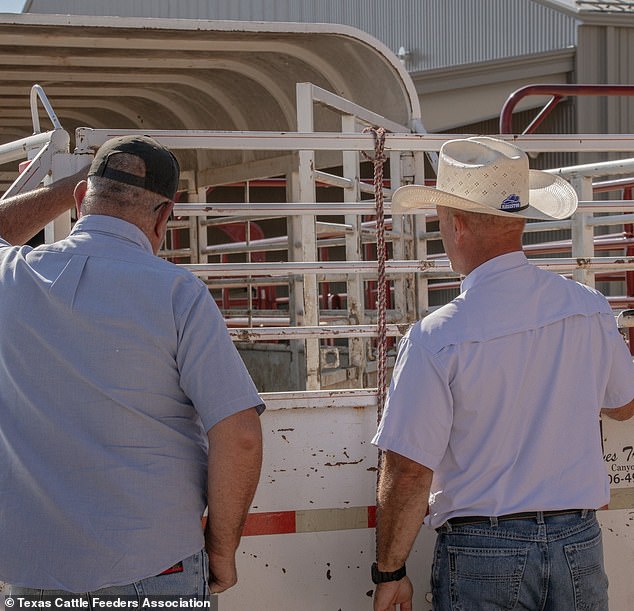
pixel 557 93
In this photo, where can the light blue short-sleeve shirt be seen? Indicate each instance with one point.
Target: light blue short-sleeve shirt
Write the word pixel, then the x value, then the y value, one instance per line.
pixel 113 365
pixel 499 393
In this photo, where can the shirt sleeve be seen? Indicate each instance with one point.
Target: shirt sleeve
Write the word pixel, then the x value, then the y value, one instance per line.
pixel 212 374
pixel 418 412
pixel 620 385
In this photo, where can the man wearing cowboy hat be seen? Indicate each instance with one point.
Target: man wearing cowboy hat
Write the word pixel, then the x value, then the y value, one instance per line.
pixel 491 421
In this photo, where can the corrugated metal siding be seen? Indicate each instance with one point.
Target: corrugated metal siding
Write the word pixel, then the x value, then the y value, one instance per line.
pixel 605 55
pixel 438 33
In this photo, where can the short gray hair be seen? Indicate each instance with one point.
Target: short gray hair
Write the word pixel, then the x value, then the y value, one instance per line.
pixel 105 196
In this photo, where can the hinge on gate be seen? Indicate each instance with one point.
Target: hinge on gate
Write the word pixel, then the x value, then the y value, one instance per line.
pixel 408 170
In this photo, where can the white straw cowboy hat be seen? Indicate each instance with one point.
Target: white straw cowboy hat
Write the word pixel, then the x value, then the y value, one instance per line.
pixel 489 176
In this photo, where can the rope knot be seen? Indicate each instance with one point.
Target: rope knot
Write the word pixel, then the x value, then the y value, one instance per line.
pixel 379 145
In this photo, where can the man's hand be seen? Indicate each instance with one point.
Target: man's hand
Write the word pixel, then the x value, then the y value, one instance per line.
pixel 222 573
pixel 394 595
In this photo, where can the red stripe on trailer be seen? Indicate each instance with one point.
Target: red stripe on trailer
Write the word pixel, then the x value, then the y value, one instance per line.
pixel 372 516
pixel 270 523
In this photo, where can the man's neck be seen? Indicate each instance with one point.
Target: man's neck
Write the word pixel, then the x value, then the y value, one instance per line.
pixel 481 257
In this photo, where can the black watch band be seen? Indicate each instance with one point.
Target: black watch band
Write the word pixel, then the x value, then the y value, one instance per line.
pixel 383 576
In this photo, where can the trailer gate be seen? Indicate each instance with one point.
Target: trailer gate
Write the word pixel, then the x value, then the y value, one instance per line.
pixel 309 538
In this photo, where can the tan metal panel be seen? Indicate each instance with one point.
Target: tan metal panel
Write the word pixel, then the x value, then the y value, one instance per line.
pixel 135 74
pixel 436 33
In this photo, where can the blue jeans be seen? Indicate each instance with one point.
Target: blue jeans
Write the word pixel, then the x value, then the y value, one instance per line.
pixel 546 563
pixel 188 584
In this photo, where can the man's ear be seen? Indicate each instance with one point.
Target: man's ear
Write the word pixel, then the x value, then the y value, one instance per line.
pixel 79 193
pixel 161 220
pixel 460 227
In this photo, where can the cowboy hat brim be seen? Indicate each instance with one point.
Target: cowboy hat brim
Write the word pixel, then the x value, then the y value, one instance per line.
pixel 550 197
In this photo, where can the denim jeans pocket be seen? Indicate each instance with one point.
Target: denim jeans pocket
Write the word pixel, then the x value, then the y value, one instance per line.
pixel 186 583
pixel 585 561
pixel 485 578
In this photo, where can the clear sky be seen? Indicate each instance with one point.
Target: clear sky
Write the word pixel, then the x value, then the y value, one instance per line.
pixel 11 6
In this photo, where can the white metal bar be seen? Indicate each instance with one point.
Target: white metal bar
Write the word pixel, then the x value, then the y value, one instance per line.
pixel 33 175
pixel 399 245
pixel 594 264
pixel 367 188
pixel 615 241
pixel 18 149
pixel 306 250
pixel 428 267
pixel 361 114
pixel 333 181
pixel 38 92
pixel 547 226
pixel 334 141
pixel 270 210
pixel 615 219
pixel 353 245
pixel 277 209
pixel 414 169
pixel 202 235
pixel 613 205
pixel 237 284
pixel 582 232
pixel 283 268
pixel 322 332
pixel 272 318
pixel 617 184
pixel 603 168
pixel 177 252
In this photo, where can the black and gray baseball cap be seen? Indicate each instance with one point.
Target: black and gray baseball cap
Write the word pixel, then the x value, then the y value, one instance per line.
pixel 161 167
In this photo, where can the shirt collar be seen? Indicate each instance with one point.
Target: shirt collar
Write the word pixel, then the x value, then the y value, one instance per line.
pixel 118 228
pixel 493 266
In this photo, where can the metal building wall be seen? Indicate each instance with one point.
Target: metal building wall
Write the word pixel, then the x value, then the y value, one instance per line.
pixel 606 55
pixel 437 33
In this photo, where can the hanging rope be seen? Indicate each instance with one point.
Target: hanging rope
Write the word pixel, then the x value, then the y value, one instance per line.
pixel 381 372
pixel 378 161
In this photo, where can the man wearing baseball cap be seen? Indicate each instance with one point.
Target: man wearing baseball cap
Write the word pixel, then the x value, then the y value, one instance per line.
pixel 491 423
pixel 126 409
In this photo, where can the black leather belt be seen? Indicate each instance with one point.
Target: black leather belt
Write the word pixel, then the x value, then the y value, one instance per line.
pixel 523 515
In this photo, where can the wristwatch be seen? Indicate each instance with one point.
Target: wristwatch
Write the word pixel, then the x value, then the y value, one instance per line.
pixel 384 577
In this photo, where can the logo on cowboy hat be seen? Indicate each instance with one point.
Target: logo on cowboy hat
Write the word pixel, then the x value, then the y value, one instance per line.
pixel 512 202
pixel 476 174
